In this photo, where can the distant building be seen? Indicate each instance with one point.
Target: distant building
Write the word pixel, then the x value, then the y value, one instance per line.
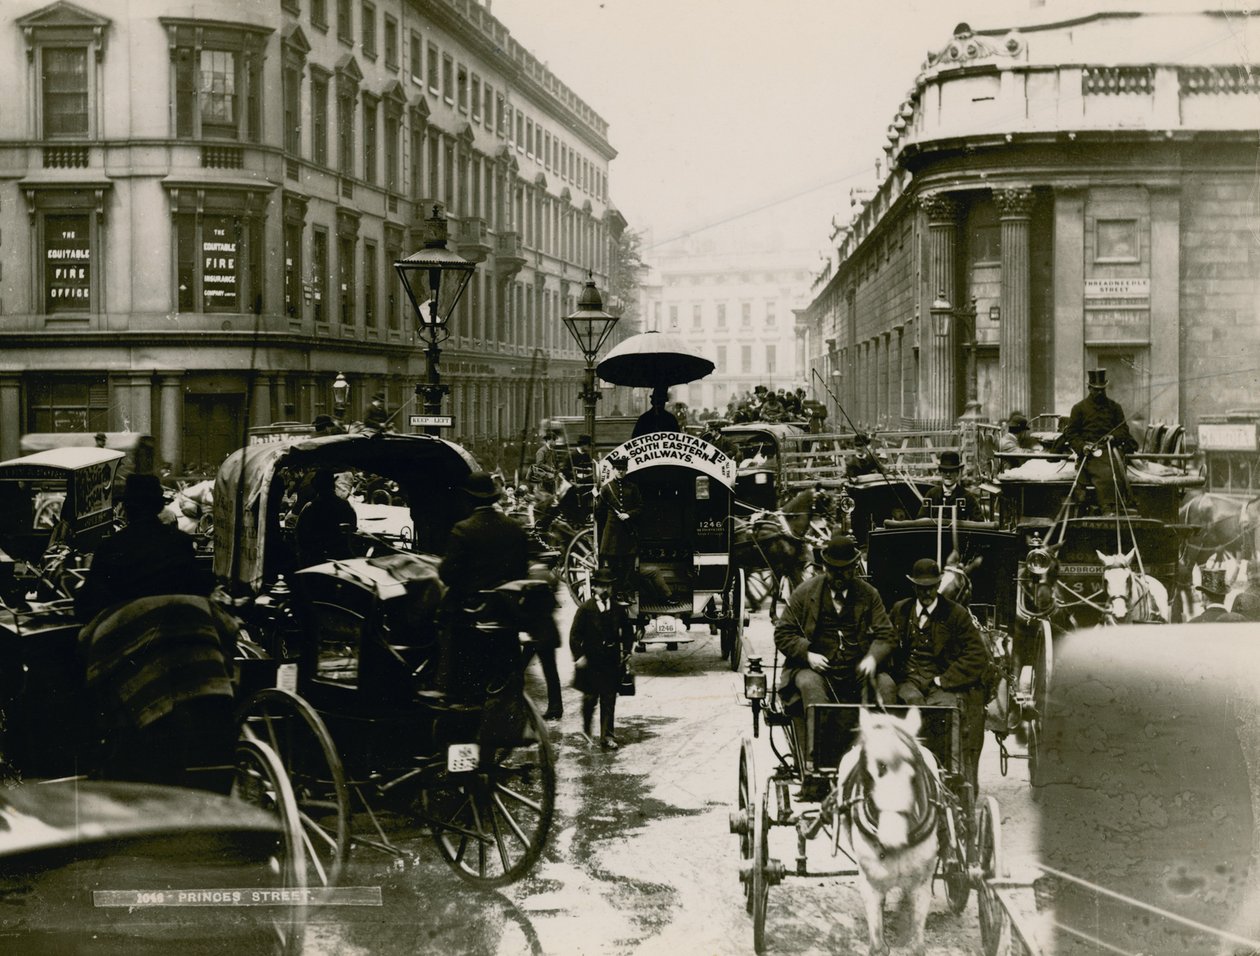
pixel 1091 183
pixel 197 197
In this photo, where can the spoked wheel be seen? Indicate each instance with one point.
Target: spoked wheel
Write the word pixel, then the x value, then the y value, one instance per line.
pixel 995 924
pixel 1033 734
pixel 292 728
pixel 260 780
pixel 732 627
pixel 580 562
pixel 747 795
pixel 954 868
pixel 1043 668
pixel 760 876
pixel 491 823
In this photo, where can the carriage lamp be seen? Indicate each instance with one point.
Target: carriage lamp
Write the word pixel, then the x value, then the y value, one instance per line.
pixel 1039 561
pixel 754 680
pixel 847 504
pixel 341 395
pixel 434 279
pixel 941 311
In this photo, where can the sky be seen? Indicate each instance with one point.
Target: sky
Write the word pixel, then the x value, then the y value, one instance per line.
pixel 720 107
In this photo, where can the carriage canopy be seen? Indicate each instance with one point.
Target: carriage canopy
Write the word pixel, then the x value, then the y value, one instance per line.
pixel 428 471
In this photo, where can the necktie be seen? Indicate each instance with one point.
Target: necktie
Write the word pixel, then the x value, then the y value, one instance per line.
pixel 923 619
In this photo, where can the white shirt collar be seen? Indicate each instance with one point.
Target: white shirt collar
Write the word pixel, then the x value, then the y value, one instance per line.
pixel 929 609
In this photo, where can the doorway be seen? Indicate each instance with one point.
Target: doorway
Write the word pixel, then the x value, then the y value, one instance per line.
pixel 212 430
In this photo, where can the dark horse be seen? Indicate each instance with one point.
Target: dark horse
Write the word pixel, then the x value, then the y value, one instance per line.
pixel 779 545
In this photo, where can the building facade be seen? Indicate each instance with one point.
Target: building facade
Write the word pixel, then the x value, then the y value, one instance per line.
pixel 1088 187
pixel 201 204
pixel 730 295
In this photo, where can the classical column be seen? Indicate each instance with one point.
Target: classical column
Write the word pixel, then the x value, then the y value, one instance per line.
pixel 10 414
pixel 1014 212
pixel 139 403
pixel 260 400
pixel 937 403
pixel 171 418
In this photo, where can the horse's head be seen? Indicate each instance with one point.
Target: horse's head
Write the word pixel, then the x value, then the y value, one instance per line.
pixel 893 762
pixel 1117 581
pixel 956 578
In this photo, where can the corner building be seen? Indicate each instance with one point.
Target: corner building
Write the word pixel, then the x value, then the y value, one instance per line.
pixel 201 204
pixel 1091 183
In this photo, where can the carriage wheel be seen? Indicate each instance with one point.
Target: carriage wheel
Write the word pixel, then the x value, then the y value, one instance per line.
pixel 491 824
pixel 292 728
pixel 733 627
pixel 995 924
pixel 954 870
pixel 1033 733
pixel 260 780
pixel 747 794
pixel 580 562
pixel 1043 668
pixel 760 873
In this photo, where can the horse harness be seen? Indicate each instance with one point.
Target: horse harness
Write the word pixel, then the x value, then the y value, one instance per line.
pixel 854 797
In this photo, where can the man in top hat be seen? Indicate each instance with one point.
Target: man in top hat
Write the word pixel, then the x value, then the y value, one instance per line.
pixel 657 418
pixel 582 469
pixel 833 634
pixel 1215 590
pixel 144 559
pixel 377 415
pixel 941 658
pixel 616 516
pixel 951 491
pixel 1098 433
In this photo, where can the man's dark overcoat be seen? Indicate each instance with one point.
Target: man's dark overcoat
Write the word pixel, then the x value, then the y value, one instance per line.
pixel 485 549
pixel 957 653
pixel 618 538
pixel 599 637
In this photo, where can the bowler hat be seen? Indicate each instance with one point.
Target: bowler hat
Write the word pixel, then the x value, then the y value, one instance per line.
pixel 861 440
pixel 1213 582
pixel 584 439
pixel 481 484
pixel 1097 378
pixel 949 461
pixel 322 421
pixel 143 491
pixel 1017 423
pixel 841 550
pixel 378 397
pixel 926 573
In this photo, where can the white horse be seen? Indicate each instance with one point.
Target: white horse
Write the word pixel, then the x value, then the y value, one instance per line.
pixel 1133 597
pixel 890 785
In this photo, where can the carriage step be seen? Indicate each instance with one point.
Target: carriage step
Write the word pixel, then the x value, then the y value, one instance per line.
pixel 683 608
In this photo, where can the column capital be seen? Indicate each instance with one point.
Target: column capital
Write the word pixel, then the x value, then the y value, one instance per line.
pixel 1014 203
pixel 942 209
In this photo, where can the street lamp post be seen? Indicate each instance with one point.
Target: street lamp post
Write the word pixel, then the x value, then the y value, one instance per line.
pixel 434 279
pixel 590 326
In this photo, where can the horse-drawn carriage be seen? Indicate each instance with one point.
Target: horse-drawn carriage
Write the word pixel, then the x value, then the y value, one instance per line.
pixel 360 638
pixel 685 537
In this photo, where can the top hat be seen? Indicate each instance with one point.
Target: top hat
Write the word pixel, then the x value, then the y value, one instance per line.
pixel 1017 423
pixel 143 491
pixel 949 461
pixel 481 484
pixel 926 573
pixel 1213 582
pixel 841 550
pixel 584 439
pixel 1097 378
pixel 603 576
pixel 861 439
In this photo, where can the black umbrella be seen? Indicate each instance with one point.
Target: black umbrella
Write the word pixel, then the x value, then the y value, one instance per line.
pixel 650 359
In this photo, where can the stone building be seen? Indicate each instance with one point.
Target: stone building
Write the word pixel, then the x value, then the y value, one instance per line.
pixel 1090 186
pixel 201 204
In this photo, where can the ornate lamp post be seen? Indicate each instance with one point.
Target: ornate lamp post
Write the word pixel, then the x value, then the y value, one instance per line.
pixel 341 397
pixel 434 279
pixel 590 326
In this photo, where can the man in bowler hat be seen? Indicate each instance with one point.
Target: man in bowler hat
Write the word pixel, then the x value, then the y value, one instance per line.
pixel 599 640
pixel 1098 432
pixel 951 491
pixel 941 658
pixel 833 635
